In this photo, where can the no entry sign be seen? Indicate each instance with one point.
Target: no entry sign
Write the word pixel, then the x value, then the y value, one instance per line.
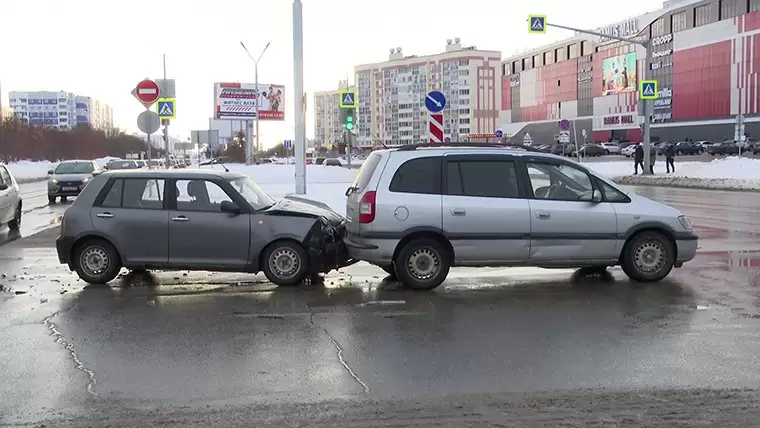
pixel 146 92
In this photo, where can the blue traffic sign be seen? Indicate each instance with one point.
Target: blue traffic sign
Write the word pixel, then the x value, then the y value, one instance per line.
pixel 288 144
pixel 564 124
pixel 499 133
pixel 435 101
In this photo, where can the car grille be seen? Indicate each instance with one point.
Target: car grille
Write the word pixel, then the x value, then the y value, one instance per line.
pixel 69 183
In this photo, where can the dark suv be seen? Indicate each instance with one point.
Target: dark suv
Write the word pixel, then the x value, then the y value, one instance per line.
pixel 689 148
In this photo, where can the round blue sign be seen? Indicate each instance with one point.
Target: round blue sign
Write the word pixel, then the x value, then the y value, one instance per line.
pixel 447 140
pixel 435 101
pixel 499 133
pixel 564 124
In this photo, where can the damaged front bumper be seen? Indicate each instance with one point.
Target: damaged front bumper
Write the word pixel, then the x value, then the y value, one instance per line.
pixel 326 248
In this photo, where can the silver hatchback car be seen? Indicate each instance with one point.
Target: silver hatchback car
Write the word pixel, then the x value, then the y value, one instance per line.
pixel 196 220
pixel 69 178
pixel 417 210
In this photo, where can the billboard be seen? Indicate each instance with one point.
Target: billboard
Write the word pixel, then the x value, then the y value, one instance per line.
pixel 238 101
pixel 619 74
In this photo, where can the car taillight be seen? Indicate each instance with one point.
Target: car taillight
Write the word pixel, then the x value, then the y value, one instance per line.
pixel 367 208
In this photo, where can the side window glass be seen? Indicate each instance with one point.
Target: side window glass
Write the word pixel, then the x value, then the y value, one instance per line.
pixel 6 176
pixel 113 197
pixel 200 195
pixel 559 182
pixel 488 179
pixel 143 193
pixel 612 194
pixel 421 175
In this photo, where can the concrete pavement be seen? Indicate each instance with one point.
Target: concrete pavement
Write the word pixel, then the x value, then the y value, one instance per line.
pixel 490 346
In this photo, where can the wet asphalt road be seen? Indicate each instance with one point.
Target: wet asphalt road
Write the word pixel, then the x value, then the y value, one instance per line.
pixel 202 341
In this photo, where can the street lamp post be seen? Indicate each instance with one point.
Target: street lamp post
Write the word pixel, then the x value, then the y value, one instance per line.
pixel 647 104
pixel 299 145
pixel 249 147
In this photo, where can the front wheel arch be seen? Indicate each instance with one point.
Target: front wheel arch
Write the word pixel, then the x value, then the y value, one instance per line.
pixel 264 263
pixel 84 239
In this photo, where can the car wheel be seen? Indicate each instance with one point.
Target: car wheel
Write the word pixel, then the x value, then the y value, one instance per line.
pixel 390 270
pixel 64 199
pixel 51 199
pixel 648 257
pixel 700 151
pixel 422 264
pixel 285 263
pixel 607 152
pixel 679 153
pixel 96 261
pixel 15 224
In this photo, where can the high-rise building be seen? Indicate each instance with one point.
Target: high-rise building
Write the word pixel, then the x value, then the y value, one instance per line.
pixel 62 110
pixel 391 98
pixel 328 128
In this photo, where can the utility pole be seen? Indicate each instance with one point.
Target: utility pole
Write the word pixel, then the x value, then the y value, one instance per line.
pixel 249 141
pixel 299 145
pixel 166 127
pixel 645 106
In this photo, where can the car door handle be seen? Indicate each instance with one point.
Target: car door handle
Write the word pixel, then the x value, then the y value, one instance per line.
pixel 180 218
pixel 458 211
pixel 543 214
pixel 105 215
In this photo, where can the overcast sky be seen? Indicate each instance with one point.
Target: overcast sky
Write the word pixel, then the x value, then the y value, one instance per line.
pixel 103 48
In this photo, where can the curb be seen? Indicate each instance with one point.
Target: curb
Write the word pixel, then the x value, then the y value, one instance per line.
pixel 690 183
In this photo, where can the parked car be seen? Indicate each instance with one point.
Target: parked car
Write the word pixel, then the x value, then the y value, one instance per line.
pixel 69 178
pixel 198 220
pixel 728 147
pixel 333 162
pixel 628 150
pixel 610 148
pixel 504 207
pixel 589 150
pixel 10 200
pixel 690 148
pixel 122 164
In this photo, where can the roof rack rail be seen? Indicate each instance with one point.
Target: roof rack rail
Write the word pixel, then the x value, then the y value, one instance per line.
pixel 410 147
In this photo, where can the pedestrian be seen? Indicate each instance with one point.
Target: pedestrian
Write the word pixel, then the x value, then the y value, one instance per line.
pixel 652 158
pixel 670 158
pixel 638 159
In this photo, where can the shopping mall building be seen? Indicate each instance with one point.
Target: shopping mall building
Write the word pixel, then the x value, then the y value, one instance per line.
pixel 706 59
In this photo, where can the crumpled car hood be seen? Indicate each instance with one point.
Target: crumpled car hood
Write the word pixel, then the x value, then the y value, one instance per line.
pixel 294 205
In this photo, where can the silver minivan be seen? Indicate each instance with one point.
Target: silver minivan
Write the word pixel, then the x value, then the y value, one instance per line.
pixel 417 210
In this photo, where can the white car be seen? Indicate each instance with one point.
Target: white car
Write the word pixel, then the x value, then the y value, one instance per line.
pixel 611 148
pixel 627 151
pixel 10 200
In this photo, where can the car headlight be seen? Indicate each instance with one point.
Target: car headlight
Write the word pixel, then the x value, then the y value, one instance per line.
pixel 54 181
pixel 85 180
pixel 685 222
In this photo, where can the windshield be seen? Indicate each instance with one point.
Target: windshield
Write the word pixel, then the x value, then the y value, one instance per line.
pixel 121 165
pixel 75 168
pixel 252 193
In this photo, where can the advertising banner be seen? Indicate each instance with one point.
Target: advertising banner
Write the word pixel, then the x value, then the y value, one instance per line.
pixel 619 74
pixel 238 101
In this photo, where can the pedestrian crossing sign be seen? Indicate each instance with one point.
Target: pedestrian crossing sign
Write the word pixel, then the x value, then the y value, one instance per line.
pixel 648 90
pixel 537 23
pixel 348 99
pixel 167 108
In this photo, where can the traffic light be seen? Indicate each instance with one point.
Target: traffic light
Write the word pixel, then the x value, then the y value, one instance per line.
pixel 349 119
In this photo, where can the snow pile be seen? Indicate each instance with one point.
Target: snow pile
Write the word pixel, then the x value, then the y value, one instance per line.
pixel 26 171
pixel 323 183
pixel 726 173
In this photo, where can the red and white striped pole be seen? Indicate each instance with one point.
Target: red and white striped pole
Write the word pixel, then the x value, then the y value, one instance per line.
pixel 435 127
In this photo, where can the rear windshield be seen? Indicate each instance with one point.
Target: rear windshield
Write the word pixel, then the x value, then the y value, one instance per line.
pixel 75 168
pixel 121 164
pixel 366 171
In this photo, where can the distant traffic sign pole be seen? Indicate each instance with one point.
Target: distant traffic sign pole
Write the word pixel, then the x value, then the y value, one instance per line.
pixel 435 102
pixel 538 24
pixel 147 93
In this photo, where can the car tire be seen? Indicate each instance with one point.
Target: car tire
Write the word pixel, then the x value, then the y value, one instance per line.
pixel 699 152
pixel 15 224
pixel 607 152
pixel 679 153
pixel 422 264
pixel 64 199
pixel 285 263
pixel 96 261
pixel 51 199
pixel 390 270
pixel 648 257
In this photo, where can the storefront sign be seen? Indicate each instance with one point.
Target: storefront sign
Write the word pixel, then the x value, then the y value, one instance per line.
pixel 627 119
pixel 661 54
pixel 661 40
pixel 622 29
pixel 664 99
pixel 658 65
pixel 662 117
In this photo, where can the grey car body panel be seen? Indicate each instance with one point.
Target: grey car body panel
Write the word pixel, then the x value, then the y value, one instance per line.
pixel 506 231
pixel 154 239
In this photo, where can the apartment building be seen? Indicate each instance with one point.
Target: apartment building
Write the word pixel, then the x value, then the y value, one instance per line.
pixel 328 128
pixel 391 94
pixel 59 109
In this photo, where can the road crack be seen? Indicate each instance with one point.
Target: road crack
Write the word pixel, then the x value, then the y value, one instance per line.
pixel 339 351
pixel 55 333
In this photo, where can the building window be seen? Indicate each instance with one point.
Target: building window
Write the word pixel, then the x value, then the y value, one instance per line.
pixel 703 15
pixel 517 66
pixel 548 58
pixel 561 54
pixel 572 51
pixel 679 22
pixel 732 8
pixel 658 27
pixel 537 61
pixel 754 5
pixel 586 47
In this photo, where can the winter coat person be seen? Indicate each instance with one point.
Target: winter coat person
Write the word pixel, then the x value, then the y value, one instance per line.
pixel 670 158
pixel 638 159
pixel 652 158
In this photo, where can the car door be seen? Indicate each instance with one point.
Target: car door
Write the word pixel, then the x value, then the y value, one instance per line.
pixel 485 216
pixel 132 214
pixel 566 225
pixel 201 236
pixel 12 194
pixel 5 200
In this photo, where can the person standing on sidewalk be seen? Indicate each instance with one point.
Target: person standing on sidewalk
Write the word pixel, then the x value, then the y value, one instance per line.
pixel 638 159
pixel 670 158
pixel 652 158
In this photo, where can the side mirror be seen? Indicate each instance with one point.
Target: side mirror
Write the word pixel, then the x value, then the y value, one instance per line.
pixel 50 172
pixel 3 186
pixel 96 173
pixel 230 207
pixel 596 196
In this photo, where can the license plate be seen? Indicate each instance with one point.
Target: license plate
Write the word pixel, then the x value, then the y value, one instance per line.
pixel 69 189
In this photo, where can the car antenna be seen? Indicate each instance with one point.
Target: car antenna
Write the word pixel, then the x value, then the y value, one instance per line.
pixel 225 168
